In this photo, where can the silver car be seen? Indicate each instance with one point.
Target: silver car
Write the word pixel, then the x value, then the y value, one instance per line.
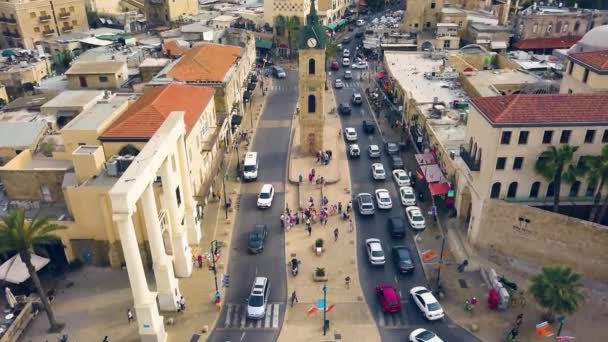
pixel 338 84
pixel 373 151
pixel 365 203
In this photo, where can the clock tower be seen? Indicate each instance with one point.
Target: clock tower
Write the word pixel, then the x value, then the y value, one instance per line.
pixel 311 50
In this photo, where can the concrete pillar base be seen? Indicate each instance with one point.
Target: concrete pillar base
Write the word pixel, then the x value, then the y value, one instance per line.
pixel 150 323
pixel 167 287
pixel 182 257
pixel 194 228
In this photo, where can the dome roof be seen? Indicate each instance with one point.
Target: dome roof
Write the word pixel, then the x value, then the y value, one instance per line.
pixel 592 41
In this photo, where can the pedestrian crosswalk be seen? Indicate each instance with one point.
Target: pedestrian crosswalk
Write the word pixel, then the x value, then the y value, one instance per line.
pixel 236 317
pixel 392 320
pixel 277 87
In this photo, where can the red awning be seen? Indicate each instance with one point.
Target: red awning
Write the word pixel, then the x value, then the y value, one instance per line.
pixel 425 158
pixel 381 74
pixel 283 46
pixel 432 173
pixel 439 188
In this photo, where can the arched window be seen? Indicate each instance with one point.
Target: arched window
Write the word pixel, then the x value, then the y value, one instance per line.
pixel 558 27
pixel 534 189
pixel 512 191
pixel 590 191
pixel 311 66
pixel 478 159
pixel 535 28
pixel 574 188
pixel 577 25
pixel 550 190
pixel 470 144
pixel 128 150
pixel 312 104
pixel 495 192
pixel 474 152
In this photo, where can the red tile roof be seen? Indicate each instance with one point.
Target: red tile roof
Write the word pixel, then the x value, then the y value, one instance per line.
pixel 544 108
pixel 206 62
pixel 547 43
pixel 175 48
pixel 147 114
pixel 595 59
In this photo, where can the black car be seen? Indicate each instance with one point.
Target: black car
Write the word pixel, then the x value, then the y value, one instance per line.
pixel 344 109
pixel 359 34
pixel 351 29
pixel 391 148
pixel 402 258
pixel 396 227
pixel 346 40
pixel 396 162
pixel 368 127
pixel 257 237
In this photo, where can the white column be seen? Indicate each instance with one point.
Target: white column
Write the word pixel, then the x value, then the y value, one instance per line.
pixel 182 254
pixel 166 283
pixel 192 223
pixel 150 323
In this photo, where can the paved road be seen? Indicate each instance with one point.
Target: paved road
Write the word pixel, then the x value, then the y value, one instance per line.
pixel 393 327
pixel 270 142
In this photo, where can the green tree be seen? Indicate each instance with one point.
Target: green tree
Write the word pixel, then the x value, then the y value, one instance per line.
pixel 596 170
pixel 555 164
pixel 18 235
pixel 279 25
pixel 292 25
pixel 557 289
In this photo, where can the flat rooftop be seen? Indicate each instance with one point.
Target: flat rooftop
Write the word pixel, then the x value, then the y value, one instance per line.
pixel 96 116
pixel 154 62
pixel 21 134
pixel 27 116
pixel 485 81
pixel 74 98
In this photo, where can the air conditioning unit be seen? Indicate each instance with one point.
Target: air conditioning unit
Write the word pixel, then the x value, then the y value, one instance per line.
pixel 125 162
pixel 112 168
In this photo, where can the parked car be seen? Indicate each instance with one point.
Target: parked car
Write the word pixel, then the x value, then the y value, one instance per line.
pixel 396 227
pixel 348 75
pixel 346 53
pixel 414 215
pixel 407 195
pixel 357 99
pixel 360 65
pixel 345 62
pixel 365 203
pixel 388 297
pixel 391 148
pixel 335 65
pixel 346 40
pixel 266 196
pixel 354 151
pixel 375 253
pixel 278 72
pixel 257 237
pixel 344 109
pixel 383 198
pixel 338 84
pixel 427 303
pixel 350 134
pixel 396 162
pixel 423 335
pixel 359 34
pixel 360 22
pixel 373 151
pixel 402 258
pixel 378 172
pixel 401 177
pixel 369 128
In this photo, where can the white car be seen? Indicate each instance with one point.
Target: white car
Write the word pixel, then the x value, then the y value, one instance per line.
pixel 427 303
pixel 375 253
pixel 338 84
pixel 266 195
pixel 401 177
pixel 378 172
pixel 346 53
pixel 373 151
pixel 350 134
pixel 407 195
pixel 423 335
pixel 348 75
pixel 414 215
pixel 383 198
pixel 360 65
pixel 345 62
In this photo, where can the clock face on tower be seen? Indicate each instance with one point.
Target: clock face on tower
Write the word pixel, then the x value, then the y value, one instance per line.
pixel 312 42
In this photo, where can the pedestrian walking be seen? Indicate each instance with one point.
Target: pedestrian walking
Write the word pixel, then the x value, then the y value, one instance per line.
pixel 347 281
pixel 434 212
pixel 351 225
pixel 336 233
pixel 309 228
pixel 339 207
pixel 182 303
pixel 130 316
pixel 199 259
pixel 294 298
pixel 282 221
pixel 349 207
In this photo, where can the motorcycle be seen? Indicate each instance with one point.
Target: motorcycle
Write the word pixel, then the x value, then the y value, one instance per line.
pixel 294 267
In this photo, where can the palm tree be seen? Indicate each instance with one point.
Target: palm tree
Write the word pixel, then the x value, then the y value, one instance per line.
pixel 292 25
pixel 557 289
pixel 555 164
pixel 596 169
pixel 20 236
pixel 279 25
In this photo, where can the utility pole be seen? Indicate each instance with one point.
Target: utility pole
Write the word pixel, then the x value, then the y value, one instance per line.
pixel 225 199
pixel 213 267
pixel 561 320
pixel 325 309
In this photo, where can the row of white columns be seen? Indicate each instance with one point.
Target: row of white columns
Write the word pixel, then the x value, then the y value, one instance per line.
pixel 184 231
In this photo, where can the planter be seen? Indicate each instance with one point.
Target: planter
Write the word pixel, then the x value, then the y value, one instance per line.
pixel 317 250
pixel 319 274
pixel 319 279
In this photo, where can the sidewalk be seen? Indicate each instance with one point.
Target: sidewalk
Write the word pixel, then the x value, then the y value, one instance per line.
pixel 350 318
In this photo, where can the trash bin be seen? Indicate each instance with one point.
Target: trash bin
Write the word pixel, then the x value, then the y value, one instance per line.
pixel 326 327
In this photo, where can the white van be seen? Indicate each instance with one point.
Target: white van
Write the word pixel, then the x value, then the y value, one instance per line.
pixel 258 298
pixel 250 166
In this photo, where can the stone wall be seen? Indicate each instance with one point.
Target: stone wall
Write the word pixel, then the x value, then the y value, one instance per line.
pixel 26 185
pixel 544 238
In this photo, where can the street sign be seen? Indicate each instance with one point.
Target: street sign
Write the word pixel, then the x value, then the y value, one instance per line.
pixel 320 304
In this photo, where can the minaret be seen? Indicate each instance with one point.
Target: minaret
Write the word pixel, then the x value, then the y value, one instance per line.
pixel 311 50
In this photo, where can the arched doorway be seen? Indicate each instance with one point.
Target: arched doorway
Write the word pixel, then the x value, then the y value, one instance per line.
pixel 466 204
pixel 427 46
pixel 128 150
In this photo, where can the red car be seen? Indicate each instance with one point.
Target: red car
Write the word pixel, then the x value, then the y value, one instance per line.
pixel 335 65
pixel 388 297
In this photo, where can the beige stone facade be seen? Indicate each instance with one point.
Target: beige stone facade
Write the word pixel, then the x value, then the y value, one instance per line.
pixel 285 8
pixel 165 12
pixel 332 10
pixel 551 22
pixel 15 75
pixel 421 15
pixel 97 75
pixel 24 23
pixel 311 99
pixel 579 77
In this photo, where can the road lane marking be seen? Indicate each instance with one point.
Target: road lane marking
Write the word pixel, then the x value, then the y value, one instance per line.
pixel 397 282
pixel 242 335
pixel 381 319
pixel 275 316
pixel 267 318
pixel 243 319
pixel 228 315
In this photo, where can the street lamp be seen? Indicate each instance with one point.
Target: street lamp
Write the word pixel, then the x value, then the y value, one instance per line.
pixel 561 320
pixel 325 325
pixel 225 199
pixel 213 267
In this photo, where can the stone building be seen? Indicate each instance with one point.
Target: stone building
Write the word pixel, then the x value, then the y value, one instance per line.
pixel 165 12
pixel 587 68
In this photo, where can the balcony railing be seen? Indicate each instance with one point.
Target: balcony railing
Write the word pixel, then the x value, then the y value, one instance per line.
pixel 472 164
pixel 3 19
pixel 546 201
pixel 67 29
pixel 12 34
pixel 11 21
pixel 64 15
pixel 48 33
pixel 44 18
